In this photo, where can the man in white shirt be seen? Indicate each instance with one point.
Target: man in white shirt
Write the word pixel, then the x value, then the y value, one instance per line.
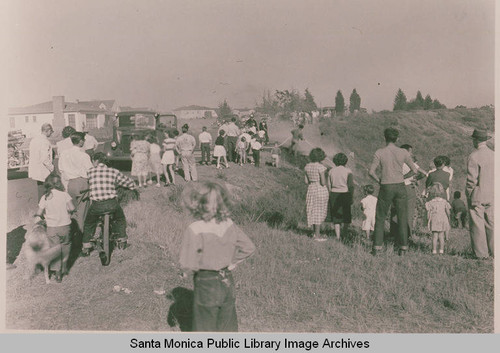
pixel 185 145
pixel 74 164
pixel 232 133
pixel 90 144
pixel 205 141
pixel 66 142
pixel 40 164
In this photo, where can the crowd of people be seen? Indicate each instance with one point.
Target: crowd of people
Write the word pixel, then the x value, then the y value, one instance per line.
pixel 395 170
pixel 213 245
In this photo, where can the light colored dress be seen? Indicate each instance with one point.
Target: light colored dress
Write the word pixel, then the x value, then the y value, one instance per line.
pixel 169 155
pixel 139 150
pixel 317 195
pixel 369 209
pixel 436 213
pixel 154 158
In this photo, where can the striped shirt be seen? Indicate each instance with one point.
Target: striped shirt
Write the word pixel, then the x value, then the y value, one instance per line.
pixel 103 181
pixel 169 144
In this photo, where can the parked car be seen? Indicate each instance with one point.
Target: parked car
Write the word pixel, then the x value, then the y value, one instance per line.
pixel 135 123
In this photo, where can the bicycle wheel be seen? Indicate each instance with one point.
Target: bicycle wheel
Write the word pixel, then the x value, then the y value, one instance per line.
pixel 105 254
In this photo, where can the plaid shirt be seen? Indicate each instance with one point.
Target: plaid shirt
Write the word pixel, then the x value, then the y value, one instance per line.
pixel 103 181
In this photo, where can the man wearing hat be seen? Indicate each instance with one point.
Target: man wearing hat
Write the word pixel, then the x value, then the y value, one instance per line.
pixel 479 190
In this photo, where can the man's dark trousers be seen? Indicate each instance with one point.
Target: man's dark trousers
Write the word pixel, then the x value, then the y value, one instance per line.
pixel 205 152
pixel 391 194
pixel 231 148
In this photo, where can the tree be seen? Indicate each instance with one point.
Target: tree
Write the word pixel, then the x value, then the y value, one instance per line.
pixel 428 102
pixel 339 103
pixel 309 105
pixel 224 111
pixel 400 100
pixel 437 105
pixel 354 101
pixel 419 101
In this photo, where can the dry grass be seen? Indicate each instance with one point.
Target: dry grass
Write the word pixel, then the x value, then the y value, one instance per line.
pixel 291 283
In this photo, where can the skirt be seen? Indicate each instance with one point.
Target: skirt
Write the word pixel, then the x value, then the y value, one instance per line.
pixel 168 157
pixel 155 164
pixel 219 151
pixel 140 164
pixel 340 207
pixel 316 203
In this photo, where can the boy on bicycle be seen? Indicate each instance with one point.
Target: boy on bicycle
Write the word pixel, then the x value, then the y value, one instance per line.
pixel 103 181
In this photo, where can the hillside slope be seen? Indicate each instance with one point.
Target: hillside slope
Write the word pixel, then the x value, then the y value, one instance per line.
pixel 431 133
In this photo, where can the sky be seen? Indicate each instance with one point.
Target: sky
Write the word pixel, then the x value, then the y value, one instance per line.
pixel 167 54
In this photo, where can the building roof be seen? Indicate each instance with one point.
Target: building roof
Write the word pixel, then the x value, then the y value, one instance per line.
pixel 193 107
pixel 95 106
pixel 130 109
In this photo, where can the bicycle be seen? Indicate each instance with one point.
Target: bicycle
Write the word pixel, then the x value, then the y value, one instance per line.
pixel 102 239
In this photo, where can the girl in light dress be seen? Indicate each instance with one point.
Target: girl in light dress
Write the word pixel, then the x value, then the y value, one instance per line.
pixel 139 151
pixel 369 206
pixel 56 205
pixel 220 150
pixel 168 159
pixel 241 148
pixel 154 160
pixel 438 215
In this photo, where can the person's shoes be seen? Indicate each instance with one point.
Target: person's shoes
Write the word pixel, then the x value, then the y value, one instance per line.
pixel 58 277
pixel 402 252
pixel 318 239
pixel 441 252
pixel 85 252
pixel 158 185
pixel 150 182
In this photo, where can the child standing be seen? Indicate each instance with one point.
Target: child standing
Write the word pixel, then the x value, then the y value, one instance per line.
pixel 211 248
pixel 256 146
pixel 369 206
pixel 139 151
pixel 220 150
pixel 241 148
pixel 458 210
pixel 275 154
pixel 57 205
pixel 438 215
pixel 168 159
pixel 154 159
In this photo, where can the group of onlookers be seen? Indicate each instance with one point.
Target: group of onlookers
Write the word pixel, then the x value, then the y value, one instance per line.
pixel 63 187
pixel 239 145
pixel 395 169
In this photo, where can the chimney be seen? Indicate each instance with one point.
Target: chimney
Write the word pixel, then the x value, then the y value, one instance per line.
pixel 58 107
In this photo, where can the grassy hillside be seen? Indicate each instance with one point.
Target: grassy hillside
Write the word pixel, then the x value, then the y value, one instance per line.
pixel 431 133
pixel 292 283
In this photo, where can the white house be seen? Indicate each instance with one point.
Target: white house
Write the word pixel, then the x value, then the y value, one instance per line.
pixel 195 112
pixel 82 115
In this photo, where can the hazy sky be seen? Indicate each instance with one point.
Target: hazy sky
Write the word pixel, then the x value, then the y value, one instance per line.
pixel 166 54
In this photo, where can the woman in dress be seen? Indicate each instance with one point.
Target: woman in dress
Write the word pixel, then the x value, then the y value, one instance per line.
pixel 154 159
pixel 341 186
pixel 139 151
pixel 317 193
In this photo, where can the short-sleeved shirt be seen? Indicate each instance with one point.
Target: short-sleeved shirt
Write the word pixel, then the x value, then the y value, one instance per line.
pixel 90 143
pixel 458 206
pixel 56 209
pixel 185 142
pixel 169 144
pixel 205 137
pixel 391 160
pixel 438 176
pixel 219 141
pixel 337 178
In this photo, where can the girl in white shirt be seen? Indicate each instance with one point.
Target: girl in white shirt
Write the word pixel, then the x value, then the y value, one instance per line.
pixel 56 206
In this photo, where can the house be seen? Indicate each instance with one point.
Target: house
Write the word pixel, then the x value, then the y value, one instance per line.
pixel 195 112
pixel 82 115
